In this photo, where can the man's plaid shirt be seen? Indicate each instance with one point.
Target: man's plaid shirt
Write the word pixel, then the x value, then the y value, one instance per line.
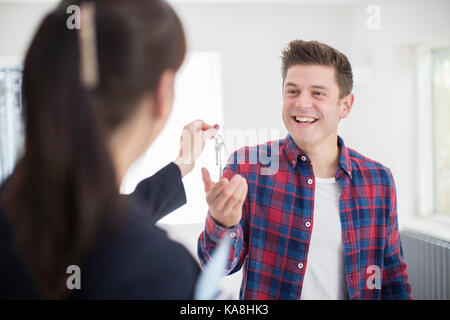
pixel 272 240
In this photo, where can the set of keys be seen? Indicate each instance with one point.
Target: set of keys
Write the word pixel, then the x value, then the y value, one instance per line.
pixel 220 149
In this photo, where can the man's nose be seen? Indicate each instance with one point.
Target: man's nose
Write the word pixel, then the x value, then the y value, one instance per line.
pixel 304 100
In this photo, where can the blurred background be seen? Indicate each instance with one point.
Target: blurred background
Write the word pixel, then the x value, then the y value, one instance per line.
pixel 400 54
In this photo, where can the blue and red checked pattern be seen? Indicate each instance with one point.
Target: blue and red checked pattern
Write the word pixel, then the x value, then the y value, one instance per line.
pixel 273 238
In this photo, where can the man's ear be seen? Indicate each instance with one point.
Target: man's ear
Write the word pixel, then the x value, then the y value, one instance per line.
pixel 164 94
pixel 346 105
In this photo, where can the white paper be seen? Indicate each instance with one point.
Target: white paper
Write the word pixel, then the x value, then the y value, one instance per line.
pixel 208 284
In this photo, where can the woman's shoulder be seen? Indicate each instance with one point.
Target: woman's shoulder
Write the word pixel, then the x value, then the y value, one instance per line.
pixel 137 260
pixel 140 262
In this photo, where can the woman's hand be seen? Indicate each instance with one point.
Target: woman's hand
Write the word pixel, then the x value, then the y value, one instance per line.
pixel 192 142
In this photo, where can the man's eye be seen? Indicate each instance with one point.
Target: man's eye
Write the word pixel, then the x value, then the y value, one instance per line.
pixel 317 93
pixel 292 91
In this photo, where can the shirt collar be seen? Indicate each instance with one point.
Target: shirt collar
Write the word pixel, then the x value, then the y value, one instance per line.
pixel 345 162
pixel 293 152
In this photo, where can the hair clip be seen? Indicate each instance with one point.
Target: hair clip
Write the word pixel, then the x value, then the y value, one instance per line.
pixel 88 48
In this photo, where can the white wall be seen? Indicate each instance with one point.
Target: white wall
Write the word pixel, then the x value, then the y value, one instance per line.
pixel 18 22
pixel 250 38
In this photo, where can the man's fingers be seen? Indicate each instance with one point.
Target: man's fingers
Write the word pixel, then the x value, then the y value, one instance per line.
pixel 237 198
pixel 229 192
pixel 217 189
pixel 208 183
pixel 237 206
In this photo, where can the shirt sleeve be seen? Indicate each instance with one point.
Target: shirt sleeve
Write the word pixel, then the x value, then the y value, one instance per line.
pixel 395 284
pixel 213 232
pixel 161 193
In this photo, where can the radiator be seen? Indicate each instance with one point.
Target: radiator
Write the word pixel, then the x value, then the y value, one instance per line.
pixel 428 262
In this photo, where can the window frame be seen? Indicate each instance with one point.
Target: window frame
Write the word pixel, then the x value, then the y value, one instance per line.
pixel 425 219
pixel 433 51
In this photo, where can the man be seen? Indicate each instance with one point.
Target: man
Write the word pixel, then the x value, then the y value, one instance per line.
pixel 322 226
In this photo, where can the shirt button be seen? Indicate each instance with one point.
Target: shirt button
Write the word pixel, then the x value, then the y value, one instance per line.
pixel 308 224
pixel 235 260
pixel 300 265
pixel 303 158
pixel 310 181
pixel 232 234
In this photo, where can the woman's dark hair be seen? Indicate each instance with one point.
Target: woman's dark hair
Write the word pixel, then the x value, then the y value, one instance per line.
pixel 64 188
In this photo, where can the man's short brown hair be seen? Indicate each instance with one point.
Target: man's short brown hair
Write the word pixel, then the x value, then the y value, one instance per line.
pixel 316 53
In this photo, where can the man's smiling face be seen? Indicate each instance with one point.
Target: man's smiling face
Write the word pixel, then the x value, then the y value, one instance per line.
pixel 311 104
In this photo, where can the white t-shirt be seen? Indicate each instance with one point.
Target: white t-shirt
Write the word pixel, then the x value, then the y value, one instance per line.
pixel 324 274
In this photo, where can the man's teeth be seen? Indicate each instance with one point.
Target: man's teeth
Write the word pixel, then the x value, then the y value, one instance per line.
pixel 305 119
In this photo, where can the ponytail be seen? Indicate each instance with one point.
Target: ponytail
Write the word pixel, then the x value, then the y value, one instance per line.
pixel 64 186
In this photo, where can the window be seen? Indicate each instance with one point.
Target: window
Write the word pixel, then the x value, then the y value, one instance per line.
pixel 197 96
pixel 441 129
pixel 11 127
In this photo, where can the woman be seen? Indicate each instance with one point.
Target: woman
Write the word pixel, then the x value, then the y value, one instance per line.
pixel 95 99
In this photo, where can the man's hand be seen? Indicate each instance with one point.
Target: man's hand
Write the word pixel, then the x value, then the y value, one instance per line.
pixel 225 198
pixel 192 142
